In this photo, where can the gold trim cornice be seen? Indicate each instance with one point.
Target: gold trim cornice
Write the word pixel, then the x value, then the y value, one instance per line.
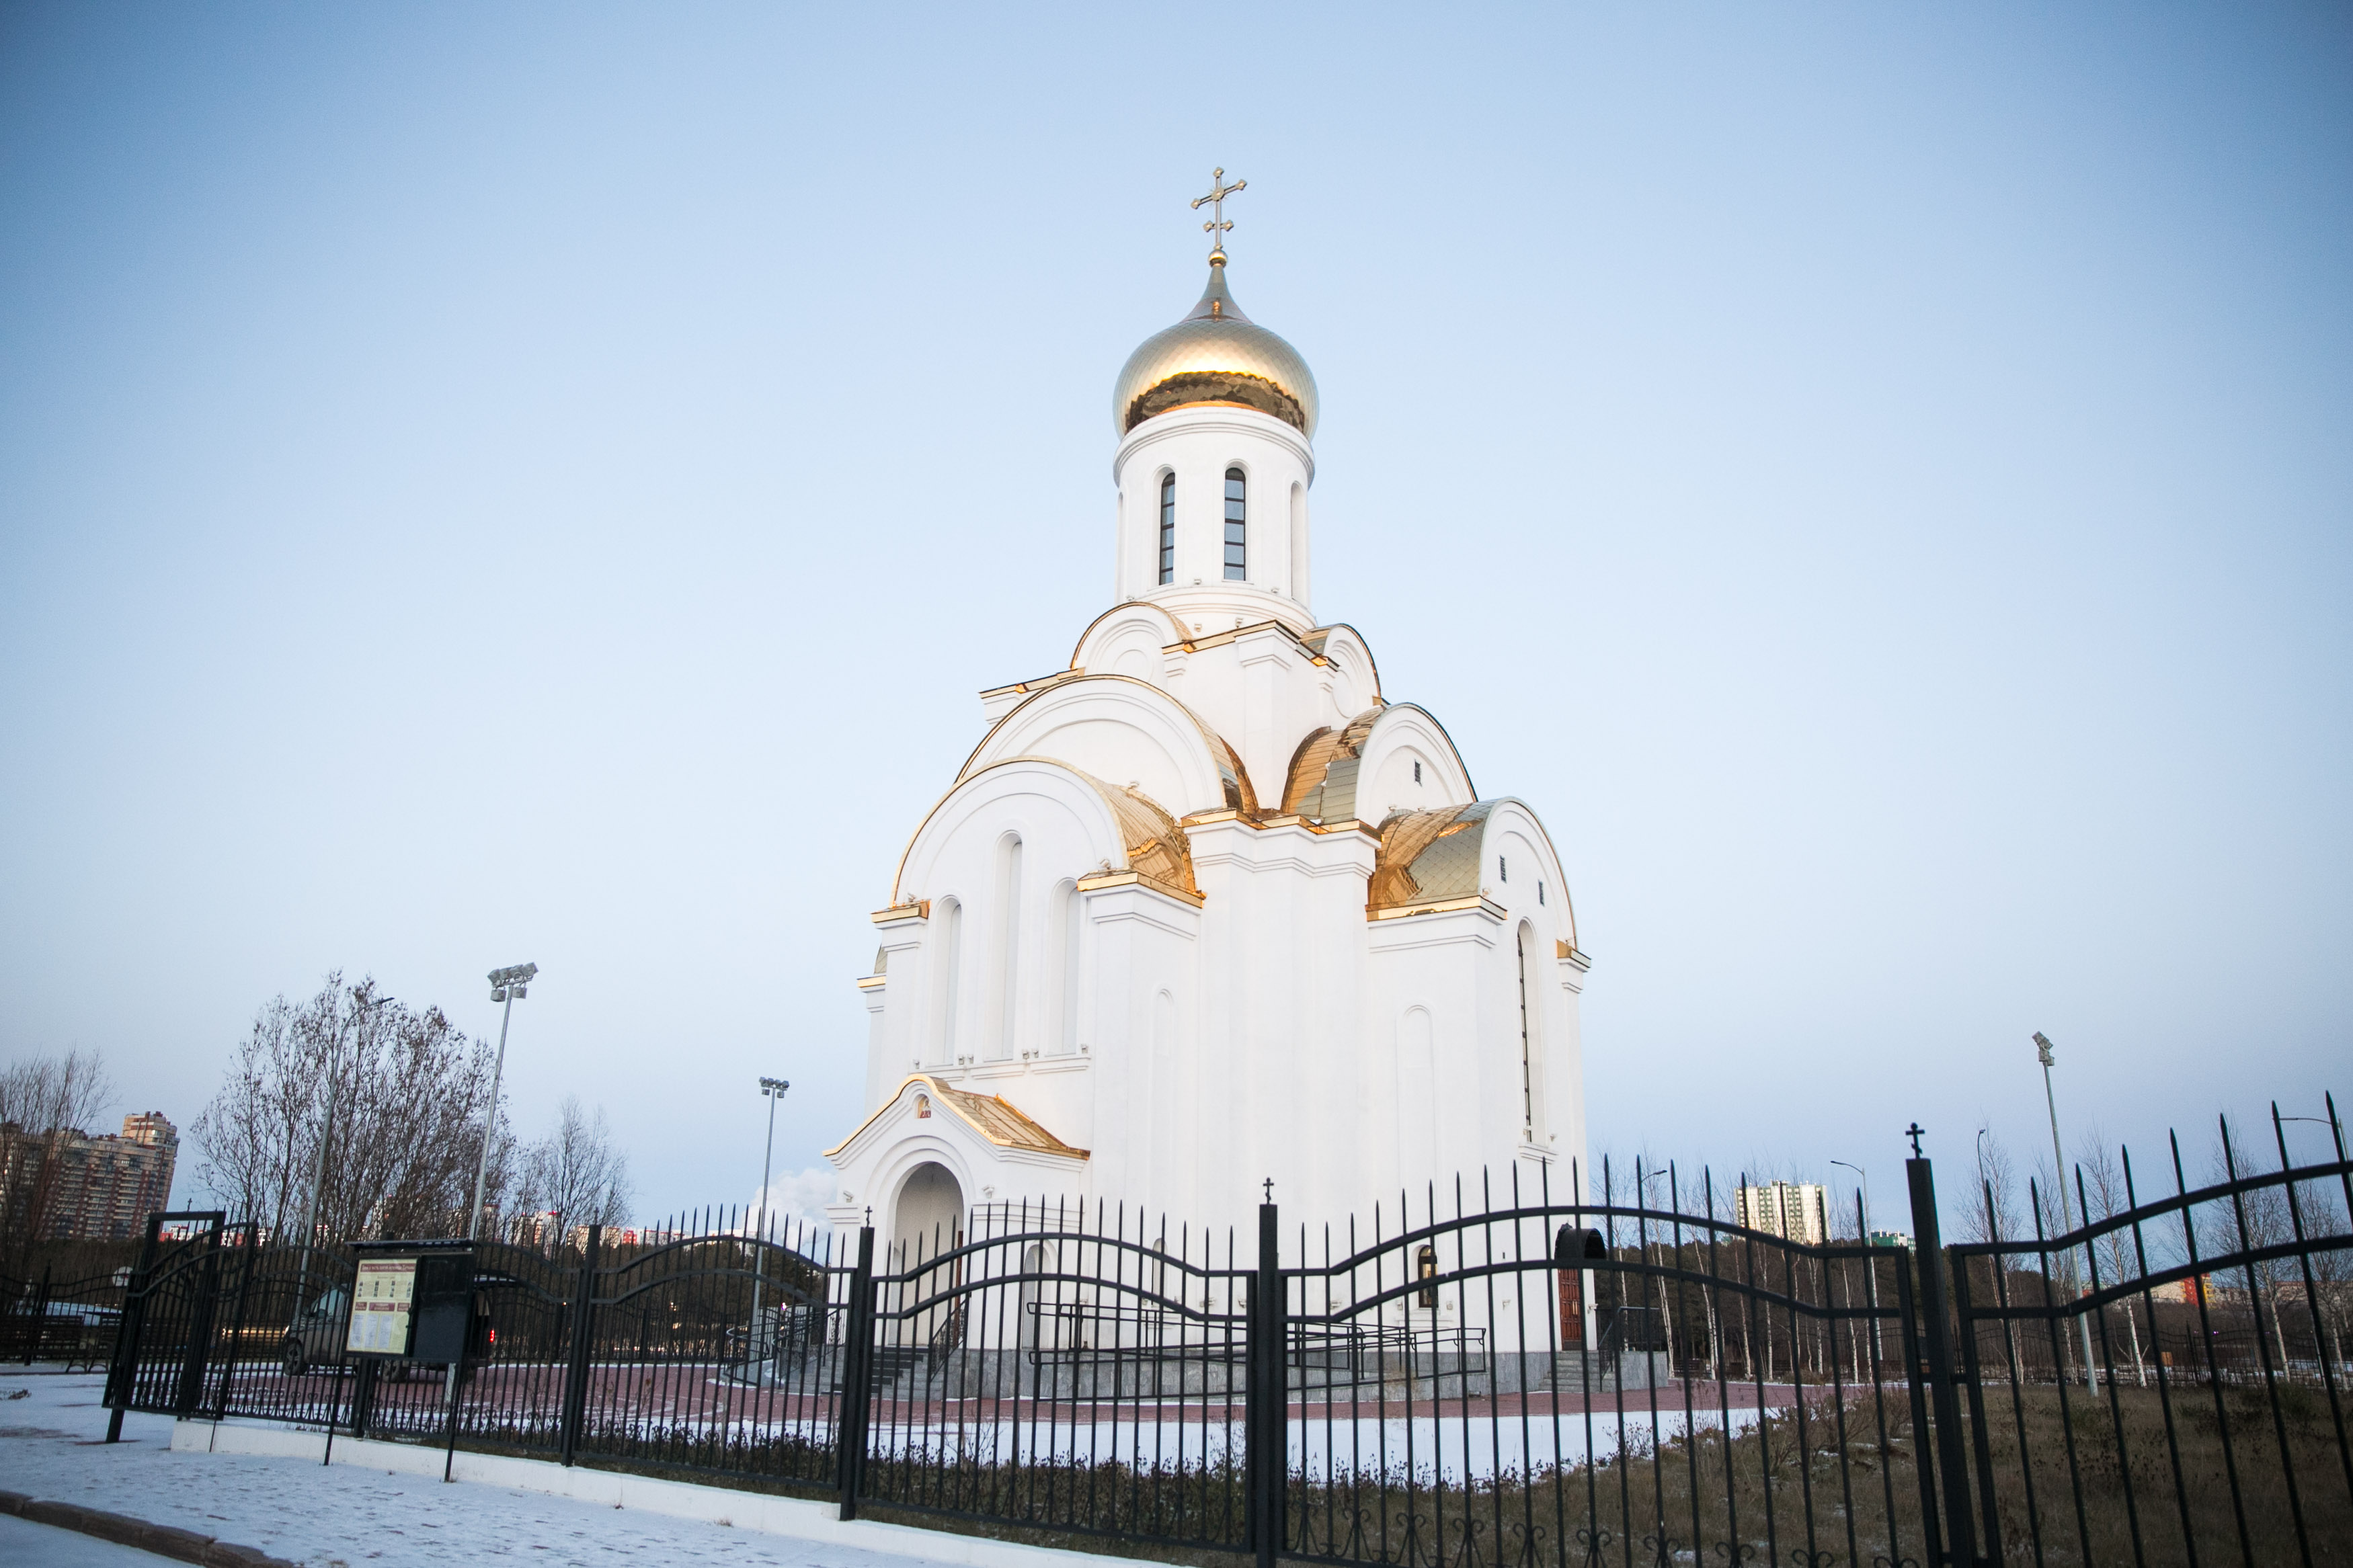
pixel 1480 901
pixel 1139 879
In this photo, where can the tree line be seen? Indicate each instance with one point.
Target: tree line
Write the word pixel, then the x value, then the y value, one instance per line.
pixel 351 1115
pixel 344 1116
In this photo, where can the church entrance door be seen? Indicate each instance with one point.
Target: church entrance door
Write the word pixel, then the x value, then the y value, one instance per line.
pixel 929 1222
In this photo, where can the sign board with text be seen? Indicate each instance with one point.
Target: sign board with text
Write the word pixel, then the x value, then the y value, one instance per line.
pixel 382 1300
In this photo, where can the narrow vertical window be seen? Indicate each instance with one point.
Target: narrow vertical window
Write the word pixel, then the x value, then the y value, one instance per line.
pixel 1005 990
pixel 1425 1267
pixel 1168 528
pixel 1502 869
pixel 1236 525
pixel 951 964
pixel 1070 929
pixel 1527 1054
pixel 1417 773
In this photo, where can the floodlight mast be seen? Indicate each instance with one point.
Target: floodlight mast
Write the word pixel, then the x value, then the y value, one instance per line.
pixel 2043 1053
pixel 772 1089
pixel 506 985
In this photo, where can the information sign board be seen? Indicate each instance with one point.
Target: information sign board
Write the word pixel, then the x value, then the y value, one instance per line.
pixel 381 1301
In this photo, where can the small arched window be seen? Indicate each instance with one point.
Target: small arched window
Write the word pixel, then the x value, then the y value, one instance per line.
pixel 1425 1267
pixel 1168 528
pixel 1236 525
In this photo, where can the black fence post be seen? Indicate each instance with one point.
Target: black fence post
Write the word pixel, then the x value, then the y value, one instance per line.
pixel 857 1396
pixel 575 1379
pixel 124 1371
pixel 1952 1462
pixel 40 1317
pixel 1266 1399
pixel 364 1378
pixel 237 1333
pixel 1973 1374
pixel 206 1286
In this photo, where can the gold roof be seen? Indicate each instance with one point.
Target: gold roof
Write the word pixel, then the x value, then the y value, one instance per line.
pixel 1429 854
pixel 992 1116
pixel 1215 354
pixel 1157 847
pixel 1323 782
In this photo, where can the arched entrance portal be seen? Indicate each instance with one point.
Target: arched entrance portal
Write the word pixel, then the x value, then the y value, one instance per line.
pixel 929 1221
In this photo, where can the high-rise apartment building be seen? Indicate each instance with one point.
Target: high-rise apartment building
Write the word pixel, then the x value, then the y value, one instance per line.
pixel 70 1185
pixel 1796 1211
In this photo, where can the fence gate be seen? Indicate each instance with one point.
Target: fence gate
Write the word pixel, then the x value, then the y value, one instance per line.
pixel 164 1347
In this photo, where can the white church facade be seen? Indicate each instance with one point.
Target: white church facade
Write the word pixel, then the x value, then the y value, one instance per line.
pixel 1206 907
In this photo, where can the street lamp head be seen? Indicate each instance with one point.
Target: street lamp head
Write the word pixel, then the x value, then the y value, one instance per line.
pixel 2043 1047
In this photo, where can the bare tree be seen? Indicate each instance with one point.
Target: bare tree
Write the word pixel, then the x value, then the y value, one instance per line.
pixel 354 1113
pixel 1990 1213
pixel 2102 1180
pixel 45 1101
pixel 575 1176
pixel 2250 1221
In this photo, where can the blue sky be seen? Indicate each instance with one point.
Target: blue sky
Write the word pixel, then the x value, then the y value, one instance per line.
pixel 485 483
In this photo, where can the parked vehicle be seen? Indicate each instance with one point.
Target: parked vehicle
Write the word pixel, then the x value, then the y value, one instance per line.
pixel 315 1338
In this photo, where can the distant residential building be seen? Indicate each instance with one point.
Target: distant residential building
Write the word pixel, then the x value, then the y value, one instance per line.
pixel 72 1187
pixel 2192 1290
pixel 1794 1211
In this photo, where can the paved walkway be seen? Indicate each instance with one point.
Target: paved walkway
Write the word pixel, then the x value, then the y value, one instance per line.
pixel 49 1547
pixel 52 1445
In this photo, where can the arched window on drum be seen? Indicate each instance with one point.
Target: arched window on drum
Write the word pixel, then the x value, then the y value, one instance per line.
pixel 1168 528
pixel 1236 525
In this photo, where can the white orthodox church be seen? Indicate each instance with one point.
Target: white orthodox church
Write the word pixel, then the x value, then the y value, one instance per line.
pixel 1207 907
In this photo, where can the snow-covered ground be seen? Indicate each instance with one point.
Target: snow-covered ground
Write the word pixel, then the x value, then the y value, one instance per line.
pixel 328 1517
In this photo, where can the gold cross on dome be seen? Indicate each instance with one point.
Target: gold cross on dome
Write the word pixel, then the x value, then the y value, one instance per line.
pixel 1220 225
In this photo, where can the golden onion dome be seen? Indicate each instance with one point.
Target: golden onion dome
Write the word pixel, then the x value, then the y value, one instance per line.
pixel 1215 354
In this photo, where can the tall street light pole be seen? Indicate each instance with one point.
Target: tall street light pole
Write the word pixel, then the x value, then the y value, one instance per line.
pixel 2059 1172
pixel 772 1089
pixel 507 985
pixel 1870 1264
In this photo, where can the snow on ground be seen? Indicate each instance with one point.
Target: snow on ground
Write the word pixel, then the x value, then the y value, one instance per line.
pixel 51 1446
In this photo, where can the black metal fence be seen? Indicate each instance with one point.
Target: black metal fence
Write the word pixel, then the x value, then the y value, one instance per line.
pixel 73 1321
pixel 1613 1373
